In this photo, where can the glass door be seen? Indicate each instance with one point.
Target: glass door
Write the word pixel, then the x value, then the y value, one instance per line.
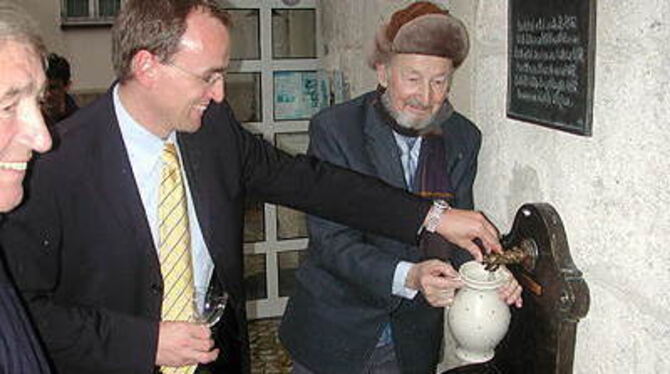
pixel 274 87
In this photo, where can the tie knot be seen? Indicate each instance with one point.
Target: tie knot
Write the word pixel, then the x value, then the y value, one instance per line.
pixel 170 154
pixel 410 141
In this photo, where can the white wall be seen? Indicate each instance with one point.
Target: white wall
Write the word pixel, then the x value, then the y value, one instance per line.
pixel 87 48
pixel 611 189
pixel 347 31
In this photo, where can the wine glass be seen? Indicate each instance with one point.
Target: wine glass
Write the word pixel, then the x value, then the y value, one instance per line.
pixel 209 305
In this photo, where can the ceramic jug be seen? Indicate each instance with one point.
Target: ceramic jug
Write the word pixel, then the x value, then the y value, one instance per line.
pixel 478 318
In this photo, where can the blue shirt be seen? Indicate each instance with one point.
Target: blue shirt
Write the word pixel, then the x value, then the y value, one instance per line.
pixel 400 275
pixel 409 157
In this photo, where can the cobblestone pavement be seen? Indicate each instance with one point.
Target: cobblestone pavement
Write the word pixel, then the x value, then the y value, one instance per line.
pixel 267 354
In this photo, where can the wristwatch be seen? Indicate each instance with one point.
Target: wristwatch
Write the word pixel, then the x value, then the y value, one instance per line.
pixel 433 217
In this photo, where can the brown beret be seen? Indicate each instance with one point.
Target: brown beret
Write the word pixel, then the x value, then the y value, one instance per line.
pixel 401 17
pixel 421 28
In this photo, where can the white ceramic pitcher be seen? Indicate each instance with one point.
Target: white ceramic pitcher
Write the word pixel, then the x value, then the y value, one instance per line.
pixel 478 318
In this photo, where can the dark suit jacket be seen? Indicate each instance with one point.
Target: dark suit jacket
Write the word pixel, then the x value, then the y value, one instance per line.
pixel 82 253
pixel 20 351
pixel 343 295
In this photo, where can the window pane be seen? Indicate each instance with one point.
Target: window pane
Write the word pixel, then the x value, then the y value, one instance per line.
pixel 298 95
pixel 243 91
pixel 292 142
pixel 245 34
pixel 254 217
pixel 255 281
pixel 77 8
pixel 288 265
pixel 109 8
pixel 254 221
pixel 291 223
pixel 293 33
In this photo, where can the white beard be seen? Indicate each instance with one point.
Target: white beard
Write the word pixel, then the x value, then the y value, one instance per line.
pixel 404 119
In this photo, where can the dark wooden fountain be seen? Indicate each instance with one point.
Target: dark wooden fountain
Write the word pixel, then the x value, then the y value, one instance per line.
pixel 541 337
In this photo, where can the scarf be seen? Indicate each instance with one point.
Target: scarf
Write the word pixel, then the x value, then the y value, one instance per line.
pixel 431 178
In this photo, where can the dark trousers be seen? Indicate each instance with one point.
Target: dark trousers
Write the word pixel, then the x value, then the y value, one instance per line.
pixel 382 361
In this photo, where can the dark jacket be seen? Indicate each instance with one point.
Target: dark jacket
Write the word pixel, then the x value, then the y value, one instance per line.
pixel 87 264
pixel 343 295
pixel 20 351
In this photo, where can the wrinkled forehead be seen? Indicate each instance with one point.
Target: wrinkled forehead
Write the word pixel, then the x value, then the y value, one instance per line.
pixel 425 64
pixel 13 49
pixel 26 45
pixel 21 69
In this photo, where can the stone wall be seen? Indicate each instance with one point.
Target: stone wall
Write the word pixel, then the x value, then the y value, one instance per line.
pixel 611 189
pixel 347 29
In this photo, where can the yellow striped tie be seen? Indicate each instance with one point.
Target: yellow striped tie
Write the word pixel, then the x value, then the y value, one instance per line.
pixel 175 247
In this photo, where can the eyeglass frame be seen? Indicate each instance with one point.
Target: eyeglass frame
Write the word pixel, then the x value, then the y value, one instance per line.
pixel 214 76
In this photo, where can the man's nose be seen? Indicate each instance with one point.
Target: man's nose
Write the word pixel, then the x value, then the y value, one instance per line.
pixel 424 94
pixel 33 131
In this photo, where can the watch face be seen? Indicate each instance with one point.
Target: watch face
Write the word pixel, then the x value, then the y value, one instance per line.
pixel 442 204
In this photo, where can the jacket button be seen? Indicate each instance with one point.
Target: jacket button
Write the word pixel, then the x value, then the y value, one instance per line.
pixel 156 289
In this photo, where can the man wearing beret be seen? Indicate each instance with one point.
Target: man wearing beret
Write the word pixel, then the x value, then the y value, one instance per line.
pixel 365 303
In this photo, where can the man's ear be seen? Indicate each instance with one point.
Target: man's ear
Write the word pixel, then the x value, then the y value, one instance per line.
pixel 144 67
pixel 382 75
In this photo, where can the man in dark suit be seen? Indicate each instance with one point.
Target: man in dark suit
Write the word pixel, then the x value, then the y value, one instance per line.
pixel 159 154
pixel 22 131
pixel 357 289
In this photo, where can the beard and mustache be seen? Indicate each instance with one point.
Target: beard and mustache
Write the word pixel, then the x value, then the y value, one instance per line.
pixel 430 124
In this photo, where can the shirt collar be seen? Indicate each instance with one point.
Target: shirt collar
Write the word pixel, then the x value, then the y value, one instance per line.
pixel 139 141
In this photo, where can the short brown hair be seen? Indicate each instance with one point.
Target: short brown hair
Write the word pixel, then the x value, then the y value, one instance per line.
pixel 155 26
pixel 17 25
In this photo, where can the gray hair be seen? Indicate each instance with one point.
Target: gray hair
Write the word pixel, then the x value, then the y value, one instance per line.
pixel 17 25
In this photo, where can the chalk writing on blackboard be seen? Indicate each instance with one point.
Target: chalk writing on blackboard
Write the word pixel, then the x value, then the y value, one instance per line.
pixel 551 50
pixel 547 53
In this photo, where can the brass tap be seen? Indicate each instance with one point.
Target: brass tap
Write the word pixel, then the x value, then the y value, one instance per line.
pixel 515 255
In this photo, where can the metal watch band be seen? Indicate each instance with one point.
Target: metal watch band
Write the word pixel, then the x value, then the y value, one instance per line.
pixel 433 217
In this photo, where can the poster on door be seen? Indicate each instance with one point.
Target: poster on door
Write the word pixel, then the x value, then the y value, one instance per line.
pixel 298 95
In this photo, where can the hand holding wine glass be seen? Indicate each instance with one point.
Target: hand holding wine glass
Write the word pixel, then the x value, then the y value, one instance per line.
pixel 209 305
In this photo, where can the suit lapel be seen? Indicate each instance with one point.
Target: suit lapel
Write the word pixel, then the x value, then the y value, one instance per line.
pixel 452 150
pixel 116 182
pixel 198 181
pixel 381 147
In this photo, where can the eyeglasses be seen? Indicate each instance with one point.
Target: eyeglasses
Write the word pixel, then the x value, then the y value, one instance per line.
pixel 210 79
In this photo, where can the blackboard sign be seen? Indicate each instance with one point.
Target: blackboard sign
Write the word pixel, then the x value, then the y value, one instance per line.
pixel 551 59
